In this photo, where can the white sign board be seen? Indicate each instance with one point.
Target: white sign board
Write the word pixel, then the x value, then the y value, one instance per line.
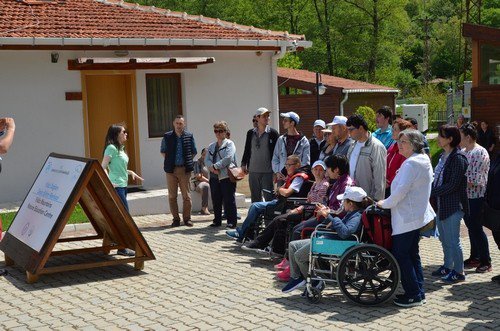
pixel 43 204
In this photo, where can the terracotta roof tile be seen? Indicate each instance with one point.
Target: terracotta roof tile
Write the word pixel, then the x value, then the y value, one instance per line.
pixel 117 19
pixel 329 81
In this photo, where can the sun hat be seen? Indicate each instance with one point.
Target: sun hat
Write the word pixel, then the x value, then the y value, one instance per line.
pixel 353 193
pixel 342 120
pixel 261 111
pixel 319 163
pixel 319 123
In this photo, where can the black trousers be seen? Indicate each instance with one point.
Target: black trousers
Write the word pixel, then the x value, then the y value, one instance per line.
pixel 271 233
pixel 223 192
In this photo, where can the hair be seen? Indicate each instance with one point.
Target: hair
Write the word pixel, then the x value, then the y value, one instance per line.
pixel 386 111
pixel 412 120
pixel 338 161
pixel 450 131
pixel 357 121
pixel 294 158
pixel 476 125
pixel 112 136
pixel 221 125
pixel 179 117
pixel 415 138
pixel 402 124
pixel 228 134
pixel 469 130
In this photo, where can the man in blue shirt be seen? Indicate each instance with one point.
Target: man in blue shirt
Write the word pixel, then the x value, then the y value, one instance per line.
pixel 178 148
pixel 384 131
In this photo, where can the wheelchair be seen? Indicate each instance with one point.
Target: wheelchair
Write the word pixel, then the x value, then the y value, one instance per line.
pixel 366 274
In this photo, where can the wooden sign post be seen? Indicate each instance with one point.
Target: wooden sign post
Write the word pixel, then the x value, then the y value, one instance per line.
pixel 63 182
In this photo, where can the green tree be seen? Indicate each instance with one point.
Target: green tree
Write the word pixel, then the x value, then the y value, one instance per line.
pixel 369 115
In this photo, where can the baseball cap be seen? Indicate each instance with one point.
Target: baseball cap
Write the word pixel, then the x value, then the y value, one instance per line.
pixel 353 193
pixel 342 120
pixel 261 111
pixel 319 123
pixel 291 115
pixel 319 163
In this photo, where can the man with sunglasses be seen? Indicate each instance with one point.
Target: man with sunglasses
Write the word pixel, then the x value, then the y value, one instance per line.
pixel 259 147
pixel 178 149
pixel 367 158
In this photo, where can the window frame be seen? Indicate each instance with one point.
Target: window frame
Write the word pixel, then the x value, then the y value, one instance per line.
pixel 177 77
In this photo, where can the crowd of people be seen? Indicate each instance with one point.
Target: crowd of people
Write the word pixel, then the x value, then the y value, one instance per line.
pixel 340 170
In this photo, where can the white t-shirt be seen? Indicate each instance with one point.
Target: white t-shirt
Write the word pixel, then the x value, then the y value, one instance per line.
pixel 296 184
pixel 354 158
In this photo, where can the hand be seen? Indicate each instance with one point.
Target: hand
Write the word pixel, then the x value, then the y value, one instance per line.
pixel 279 176
pixel 135 176
pixel 379 203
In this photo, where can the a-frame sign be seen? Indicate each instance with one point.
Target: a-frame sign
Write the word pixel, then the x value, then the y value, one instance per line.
pixel 63 182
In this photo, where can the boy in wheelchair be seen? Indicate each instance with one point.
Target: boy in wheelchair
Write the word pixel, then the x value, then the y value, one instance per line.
pixel 280 223
pixel 296 176
pixel 354 201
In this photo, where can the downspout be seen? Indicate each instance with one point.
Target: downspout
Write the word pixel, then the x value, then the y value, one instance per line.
pixel 343 101
pixel 274 81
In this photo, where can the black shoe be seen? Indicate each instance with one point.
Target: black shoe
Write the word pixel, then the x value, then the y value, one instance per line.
pixel 402 296
pixel 408 302
pixel 215 225
pixel 126 252
pixel 251 246
pixel 175 223
pixel 3 272
pixel 496 279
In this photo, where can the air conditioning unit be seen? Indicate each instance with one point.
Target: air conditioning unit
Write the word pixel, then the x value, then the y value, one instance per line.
pixel 419 112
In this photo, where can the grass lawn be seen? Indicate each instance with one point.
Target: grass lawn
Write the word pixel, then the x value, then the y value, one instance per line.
pixel 435 151
pixel 78 216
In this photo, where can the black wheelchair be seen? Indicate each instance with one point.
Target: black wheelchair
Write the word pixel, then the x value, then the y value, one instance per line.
pixel 366 274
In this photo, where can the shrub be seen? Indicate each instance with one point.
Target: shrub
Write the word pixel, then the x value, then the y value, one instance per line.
pixel 369 116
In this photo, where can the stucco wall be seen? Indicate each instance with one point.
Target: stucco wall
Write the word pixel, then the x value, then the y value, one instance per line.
pixel 32 90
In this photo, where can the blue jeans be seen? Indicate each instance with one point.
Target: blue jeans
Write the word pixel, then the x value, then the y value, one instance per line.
pixel 478 241
pixel 449 235
pixel 405 250
pixel 256 209
pixel 122 193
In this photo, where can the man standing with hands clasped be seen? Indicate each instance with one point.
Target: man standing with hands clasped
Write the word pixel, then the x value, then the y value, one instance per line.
pixel 178 149
pixel 259 147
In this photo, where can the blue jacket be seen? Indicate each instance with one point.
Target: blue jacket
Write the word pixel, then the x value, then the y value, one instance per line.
pixel 225 157
pixel 347 226
pixel 452 193
pixel 169 146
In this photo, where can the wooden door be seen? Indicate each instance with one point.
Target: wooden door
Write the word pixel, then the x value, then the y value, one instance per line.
pixel 109 101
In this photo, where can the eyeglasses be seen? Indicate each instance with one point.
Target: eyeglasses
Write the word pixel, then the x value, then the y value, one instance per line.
pixel 290 164
pixel 351 128
pixel 219 131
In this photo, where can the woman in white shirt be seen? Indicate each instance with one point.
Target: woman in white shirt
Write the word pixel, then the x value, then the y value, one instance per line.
pixel 410 211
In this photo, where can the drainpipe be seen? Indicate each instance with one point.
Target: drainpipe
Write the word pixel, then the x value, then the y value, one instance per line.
pixel 274 81
pixel 342 103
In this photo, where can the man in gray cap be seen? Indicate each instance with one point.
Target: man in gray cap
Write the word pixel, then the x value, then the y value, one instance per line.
pixel 259 147
pixel 341 134
pixel 317 142
pixel 292 142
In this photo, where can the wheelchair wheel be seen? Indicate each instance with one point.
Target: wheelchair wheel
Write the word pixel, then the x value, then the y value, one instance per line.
pixel 313 294
pixel 368 274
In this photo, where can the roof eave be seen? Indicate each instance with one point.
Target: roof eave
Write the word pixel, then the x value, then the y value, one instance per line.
pixel 370 91
pixel 145 42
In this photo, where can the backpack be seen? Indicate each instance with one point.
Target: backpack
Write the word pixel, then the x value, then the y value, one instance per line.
pixel 377 226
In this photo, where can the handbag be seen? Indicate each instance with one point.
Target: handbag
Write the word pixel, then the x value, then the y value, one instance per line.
pixel 235 174
pixel 490 217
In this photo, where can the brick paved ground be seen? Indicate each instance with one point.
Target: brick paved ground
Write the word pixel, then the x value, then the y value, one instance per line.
pixel 201 280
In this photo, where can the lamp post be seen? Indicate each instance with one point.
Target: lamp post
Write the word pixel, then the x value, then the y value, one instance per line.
pixel 320 90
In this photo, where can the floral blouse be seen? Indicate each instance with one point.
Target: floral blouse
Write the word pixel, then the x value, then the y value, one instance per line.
pixel 477 171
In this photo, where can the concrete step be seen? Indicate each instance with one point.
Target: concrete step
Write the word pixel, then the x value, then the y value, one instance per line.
pixel 153 202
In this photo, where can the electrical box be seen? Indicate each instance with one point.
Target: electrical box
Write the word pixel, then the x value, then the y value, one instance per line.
pixel 419 112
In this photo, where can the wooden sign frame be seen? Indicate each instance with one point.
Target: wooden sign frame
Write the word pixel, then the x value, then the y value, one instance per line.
pixel 107 214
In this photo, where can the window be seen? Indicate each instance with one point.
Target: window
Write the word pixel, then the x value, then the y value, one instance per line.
pixel 490 64
pixel 163 93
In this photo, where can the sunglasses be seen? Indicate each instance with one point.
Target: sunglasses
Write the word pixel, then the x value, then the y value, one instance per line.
pixel 219 131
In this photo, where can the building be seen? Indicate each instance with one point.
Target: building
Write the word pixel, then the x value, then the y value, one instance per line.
pixel 342 96
pixel 485 92
pixel 70 68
